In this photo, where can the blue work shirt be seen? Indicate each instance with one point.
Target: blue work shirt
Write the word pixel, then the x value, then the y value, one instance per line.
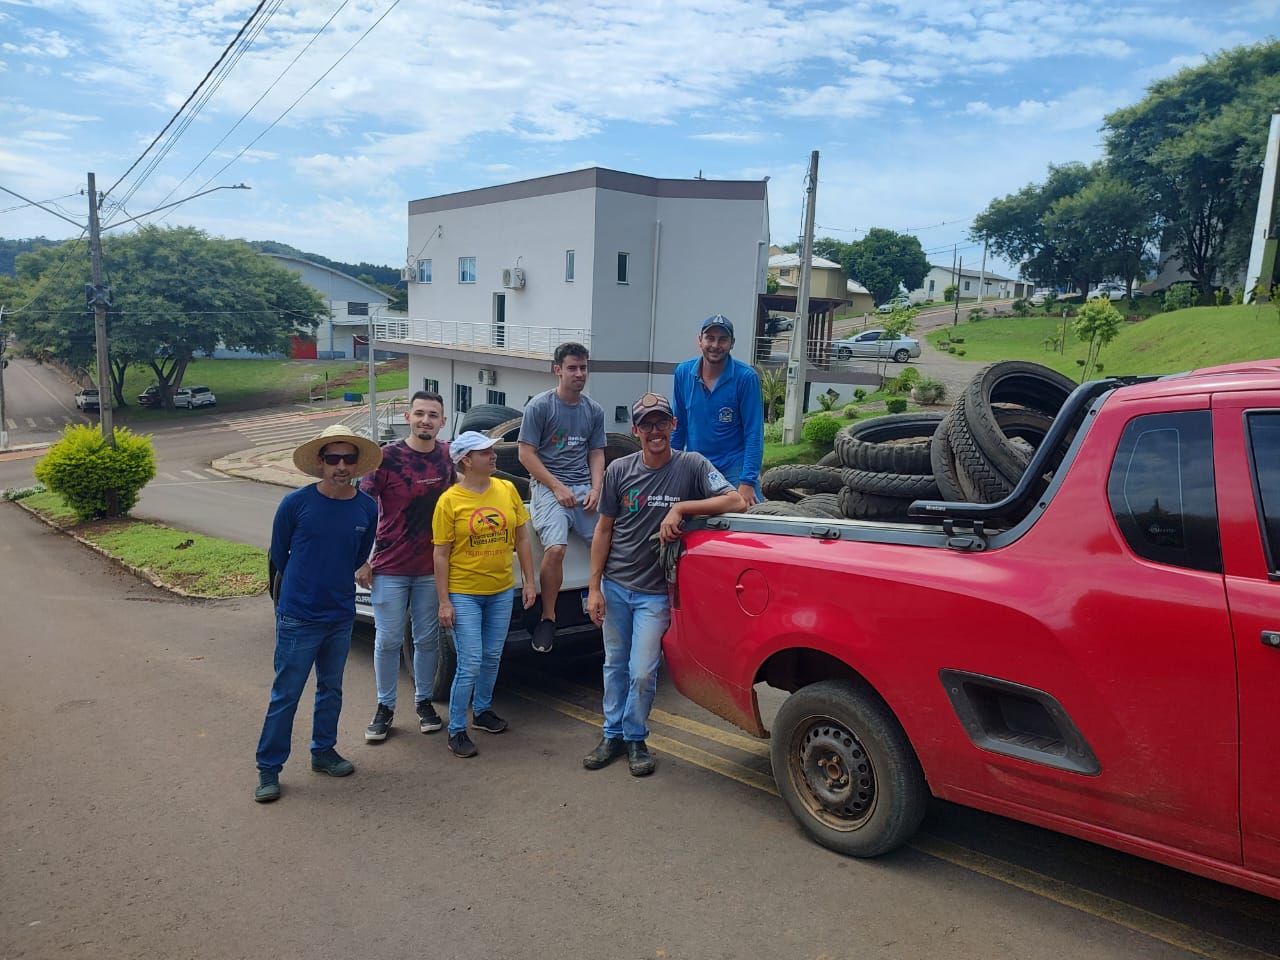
pixel 318 543
pixel 726 423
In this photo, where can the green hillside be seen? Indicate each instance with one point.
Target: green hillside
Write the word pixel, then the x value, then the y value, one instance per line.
pixel 1164 343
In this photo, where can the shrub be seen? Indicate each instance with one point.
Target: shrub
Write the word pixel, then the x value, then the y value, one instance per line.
pixel 1180 296
pixel 904 381
pixel 957 339
pixel 896 404
pixel 773 432
pixel 820 429
pixel 928 391
pixel 959 353
pixel 827 399
pixel 850 410
pixel 1022 307
pixel 976 314
pixel 859 394
pixel 21 493
pixel 949 293
pixel 94 479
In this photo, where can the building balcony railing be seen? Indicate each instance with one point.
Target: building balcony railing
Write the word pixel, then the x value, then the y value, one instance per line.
pixel 509 338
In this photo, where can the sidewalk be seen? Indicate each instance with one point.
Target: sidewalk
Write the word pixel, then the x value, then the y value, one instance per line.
pixel 264 464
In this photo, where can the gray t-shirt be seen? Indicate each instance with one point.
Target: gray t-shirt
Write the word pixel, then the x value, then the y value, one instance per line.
pixel 563 434
pixel 637 498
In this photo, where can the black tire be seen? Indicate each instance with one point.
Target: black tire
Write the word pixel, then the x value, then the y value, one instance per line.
pixel 846 769
pixel 843 353
pixel 888 444
pixel 787 482
pixel 520 483
pixel 1010 383
pixel 831 459
pixel 977 477
pixel 826 505
pixel 868 506
pixel 507 430
pixel 943 461
pixel 619 445
pixel 907 486
pixel 508 453
pixel 776 508
pixel 901 356
pixel 485 416
pixel 446 665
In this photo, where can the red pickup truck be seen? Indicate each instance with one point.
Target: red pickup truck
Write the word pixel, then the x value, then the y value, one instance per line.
pixel 1098 653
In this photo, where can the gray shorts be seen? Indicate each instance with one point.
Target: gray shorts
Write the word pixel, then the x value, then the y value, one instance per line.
pixel 552 521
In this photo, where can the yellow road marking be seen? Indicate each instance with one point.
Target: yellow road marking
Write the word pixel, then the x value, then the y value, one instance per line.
pixel 1122 914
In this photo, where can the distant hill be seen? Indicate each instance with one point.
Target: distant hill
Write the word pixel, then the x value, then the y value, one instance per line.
pixel 9 250
pixel 387 276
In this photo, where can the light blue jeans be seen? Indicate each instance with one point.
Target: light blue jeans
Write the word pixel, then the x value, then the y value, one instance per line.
pixel 633 627
pixel 480 627
pixel 393 597
pixel 301 644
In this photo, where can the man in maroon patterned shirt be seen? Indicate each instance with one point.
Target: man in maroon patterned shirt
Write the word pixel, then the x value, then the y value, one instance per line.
pixel 401 572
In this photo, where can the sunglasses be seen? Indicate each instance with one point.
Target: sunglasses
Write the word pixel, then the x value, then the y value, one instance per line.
pixel 333 459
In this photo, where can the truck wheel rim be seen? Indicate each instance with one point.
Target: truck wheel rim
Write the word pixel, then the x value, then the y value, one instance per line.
pixel 835 773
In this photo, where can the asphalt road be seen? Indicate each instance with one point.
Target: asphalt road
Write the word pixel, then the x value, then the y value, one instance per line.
pixel 38 402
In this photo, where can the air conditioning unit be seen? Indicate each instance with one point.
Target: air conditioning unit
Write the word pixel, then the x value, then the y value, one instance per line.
pixel 513 278
pixel 488 377
pixel 407 274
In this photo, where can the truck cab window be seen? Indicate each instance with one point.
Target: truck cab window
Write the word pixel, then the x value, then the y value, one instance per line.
pixel 1264 449
pixel 1161 490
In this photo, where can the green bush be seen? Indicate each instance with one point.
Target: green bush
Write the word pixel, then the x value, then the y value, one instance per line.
pixel 928 391
pixel 21 493
pixel 859 394
pixel 896 404
pixel 976 314
pixel 850 410
pixel 1180 296
pixel 773 432
pixel 949 293
pixel 94 479
pixel 1022 307
pixel 820 429
pixel 904 381
pixel 957 339
pixel 959 353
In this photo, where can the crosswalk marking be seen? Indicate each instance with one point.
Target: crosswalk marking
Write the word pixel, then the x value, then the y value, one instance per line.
pixel 278 428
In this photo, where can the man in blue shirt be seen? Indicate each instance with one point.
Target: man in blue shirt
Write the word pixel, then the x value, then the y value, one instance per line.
pixel 322 534
pixel 718 410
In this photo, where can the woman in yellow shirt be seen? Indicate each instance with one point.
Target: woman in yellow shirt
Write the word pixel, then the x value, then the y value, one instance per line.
pixel 477 523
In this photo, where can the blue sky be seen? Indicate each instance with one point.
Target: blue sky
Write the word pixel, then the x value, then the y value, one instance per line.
pixel 923 111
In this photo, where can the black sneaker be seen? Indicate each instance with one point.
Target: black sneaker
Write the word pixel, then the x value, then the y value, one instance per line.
pixel 333 763
pixel 268 787
pixel 428 720
pixel 489 722
pixel 460 745
pixel 544 636
pixel 376 732
pixel 639 761
pixel 606 751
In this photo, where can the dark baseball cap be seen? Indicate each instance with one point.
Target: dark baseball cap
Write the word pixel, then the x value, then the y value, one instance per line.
pixel 719 320
pixel 650 403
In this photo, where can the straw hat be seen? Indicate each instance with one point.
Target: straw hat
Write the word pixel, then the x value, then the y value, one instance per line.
pixel 306 457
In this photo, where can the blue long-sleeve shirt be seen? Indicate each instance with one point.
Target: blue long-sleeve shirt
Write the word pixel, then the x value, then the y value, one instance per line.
pixel 318 543
pixel 724 424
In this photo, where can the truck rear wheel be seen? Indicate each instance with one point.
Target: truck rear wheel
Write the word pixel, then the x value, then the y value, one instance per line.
pixel 846 770
pixel 446 663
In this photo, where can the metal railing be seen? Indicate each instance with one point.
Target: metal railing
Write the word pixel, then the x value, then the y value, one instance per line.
pixel 510 338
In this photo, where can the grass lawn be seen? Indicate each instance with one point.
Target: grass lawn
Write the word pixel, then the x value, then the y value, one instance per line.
pixel 1162 343
pixel 199 565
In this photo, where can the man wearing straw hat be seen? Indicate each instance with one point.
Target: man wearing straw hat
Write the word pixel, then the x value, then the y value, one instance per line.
pixel 322 534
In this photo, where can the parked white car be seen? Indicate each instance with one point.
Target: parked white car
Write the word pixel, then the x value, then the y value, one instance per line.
pixel 894 303
pixel 873 343
pixel 1112 291
pixel 195 397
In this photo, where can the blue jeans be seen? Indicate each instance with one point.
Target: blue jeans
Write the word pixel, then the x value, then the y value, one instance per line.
pixel 633 627
pixel 301 644
pixel 480 627
pixel 393 596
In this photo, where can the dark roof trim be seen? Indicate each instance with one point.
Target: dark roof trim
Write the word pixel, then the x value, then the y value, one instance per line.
pixel 597 178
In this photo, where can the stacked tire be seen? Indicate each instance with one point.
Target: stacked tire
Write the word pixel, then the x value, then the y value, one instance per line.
pixel 975 452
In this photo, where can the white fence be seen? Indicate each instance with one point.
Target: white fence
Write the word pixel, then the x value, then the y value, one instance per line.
pixel 487 337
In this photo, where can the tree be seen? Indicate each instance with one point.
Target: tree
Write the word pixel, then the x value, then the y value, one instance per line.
pixel 178 293
pixel 1097 323
pixel 883 260
pixel 1193 146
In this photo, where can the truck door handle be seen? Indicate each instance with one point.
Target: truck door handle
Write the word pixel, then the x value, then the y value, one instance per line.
pixel 1271 638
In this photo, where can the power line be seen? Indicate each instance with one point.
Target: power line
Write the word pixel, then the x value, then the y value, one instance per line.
pixel 37 203
pixel 225 52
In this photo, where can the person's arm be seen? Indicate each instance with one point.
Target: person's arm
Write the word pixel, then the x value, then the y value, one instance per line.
pixel 370 483
pixel 529 458
pixel 440 557
pixel 680 435
pixel 282 528
pixel 727 502
pixel 752 408
pixel 595 463
pixel 600 543
pixel 524 553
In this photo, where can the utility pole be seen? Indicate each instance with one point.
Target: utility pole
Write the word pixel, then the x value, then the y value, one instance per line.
pixel 99 296
pixel 4 362
pixel 793 414
pixel 1266 231
pixel 982 272
pixel 955 317
pixel 373 394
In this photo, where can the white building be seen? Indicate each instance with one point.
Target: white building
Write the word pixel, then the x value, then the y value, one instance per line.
pixel 970 282
pixel 627 265
pixel 350 301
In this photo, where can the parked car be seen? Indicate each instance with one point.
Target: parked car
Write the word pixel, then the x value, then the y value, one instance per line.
pixel 774 325
pixel 87 399
pixel 1039 294
pixel 872 343
pixel 894 303
pixel 195 397
pixel 149 397
pixel 1112 291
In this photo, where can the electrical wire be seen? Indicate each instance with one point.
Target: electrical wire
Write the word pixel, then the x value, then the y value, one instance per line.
pixel 235 40
pixel 34 203
pixel 45 281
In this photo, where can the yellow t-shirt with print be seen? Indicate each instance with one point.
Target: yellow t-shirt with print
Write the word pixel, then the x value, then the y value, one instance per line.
pixel 482 529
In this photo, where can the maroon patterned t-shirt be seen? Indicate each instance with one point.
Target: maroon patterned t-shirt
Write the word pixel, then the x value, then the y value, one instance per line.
pixel 406 487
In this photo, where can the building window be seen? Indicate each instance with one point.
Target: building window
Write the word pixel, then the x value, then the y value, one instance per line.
pixel 424 271
pixel 496 396
pixel 461 397
pixel 623 261
pixel 357 309
pixel 430 385
pixel 568 266
pixel 931 286
pixel 785 271
pixel 466 269
pixel 966 284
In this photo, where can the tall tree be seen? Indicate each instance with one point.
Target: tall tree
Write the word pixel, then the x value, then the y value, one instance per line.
pixel 178 293
pixel 1103 230
pixel 1193 145
pixel 883 259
